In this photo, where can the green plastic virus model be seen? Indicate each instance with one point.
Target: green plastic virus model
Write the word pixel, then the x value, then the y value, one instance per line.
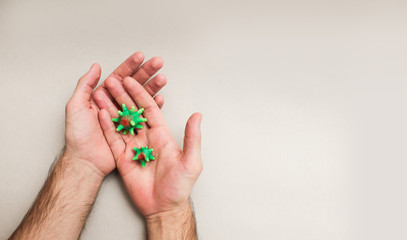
pixel 129 119
pixel 143 154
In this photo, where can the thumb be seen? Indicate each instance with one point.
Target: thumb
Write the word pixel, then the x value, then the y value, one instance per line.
pixel 192 142
pixel 86 84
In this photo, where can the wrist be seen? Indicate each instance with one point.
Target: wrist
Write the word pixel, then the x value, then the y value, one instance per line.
pixel 177 223
pixel 80 166
pixel 79 171
pixel 166 216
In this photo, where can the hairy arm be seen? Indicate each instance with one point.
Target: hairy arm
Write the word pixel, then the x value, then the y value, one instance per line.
pixel 64 202
pixel 179 224
pixel 67 196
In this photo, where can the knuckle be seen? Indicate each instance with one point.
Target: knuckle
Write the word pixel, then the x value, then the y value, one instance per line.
pixel 97 95
pixel 110 82
pixel 161 81
pixel 150 106
pixel 196 168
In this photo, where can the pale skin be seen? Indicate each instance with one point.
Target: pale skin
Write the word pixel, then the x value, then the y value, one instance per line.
pixel 160 190
pixel 92 152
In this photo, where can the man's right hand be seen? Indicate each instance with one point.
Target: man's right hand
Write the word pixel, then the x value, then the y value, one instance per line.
pixel 161 190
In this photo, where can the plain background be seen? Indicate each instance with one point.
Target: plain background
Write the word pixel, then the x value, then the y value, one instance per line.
pixel 304 104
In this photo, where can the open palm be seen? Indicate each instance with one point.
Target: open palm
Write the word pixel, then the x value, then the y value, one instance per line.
pixel 166 182
pixel 84 136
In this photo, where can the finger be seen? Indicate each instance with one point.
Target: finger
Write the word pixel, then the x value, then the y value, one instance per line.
pixel 105 102
pixel 156 84
pixel 192 143
pixel 118 92
pixel 144 100
pixel 148 69
pixel 107 94
pixel 121 97
pixel 130 66
pixel 114 140
pixel 159 100
pixel 86 84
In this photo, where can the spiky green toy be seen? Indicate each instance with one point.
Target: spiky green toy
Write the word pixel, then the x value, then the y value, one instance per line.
pixel 143 154
pixel 129 119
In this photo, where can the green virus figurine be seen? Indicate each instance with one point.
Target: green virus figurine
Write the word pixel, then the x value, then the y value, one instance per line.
pixel 143 154
pixel 129 119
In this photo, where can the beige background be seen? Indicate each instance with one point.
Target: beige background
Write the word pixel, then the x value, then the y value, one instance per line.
pixel 304 131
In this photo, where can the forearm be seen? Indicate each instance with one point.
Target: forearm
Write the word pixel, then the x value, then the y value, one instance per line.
pixel 64 202
pixel 179 224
